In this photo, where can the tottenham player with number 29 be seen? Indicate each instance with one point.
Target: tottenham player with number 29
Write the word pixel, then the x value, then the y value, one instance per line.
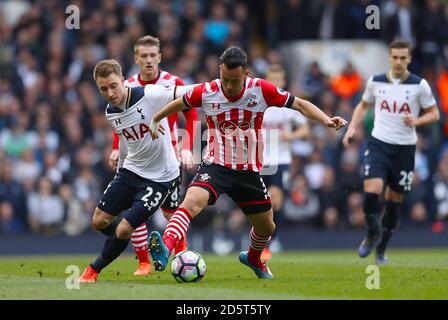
pixel 398 97
pixel 150 169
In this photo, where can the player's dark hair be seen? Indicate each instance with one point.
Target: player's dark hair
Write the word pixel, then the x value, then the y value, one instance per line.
pixel 234 57
pixel 400 44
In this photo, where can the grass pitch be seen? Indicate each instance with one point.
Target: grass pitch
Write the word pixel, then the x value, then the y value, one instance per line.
pixel 412 274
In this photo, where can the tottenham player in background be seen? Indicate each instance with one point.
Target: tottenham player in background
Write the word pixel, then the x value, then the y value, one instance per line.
pixel 403 102
pixel 148 57
pixel 149 171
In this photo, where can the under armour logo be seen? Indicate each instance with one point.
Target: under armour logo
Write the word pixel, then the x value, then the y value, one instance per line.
pixel 139 110
pixel 117 121
pixel 214 105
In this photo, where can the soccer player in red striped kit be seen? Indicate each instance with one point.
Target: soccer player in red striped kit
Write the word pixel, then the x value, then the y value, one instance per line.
pixel 147 56
pixel 234 106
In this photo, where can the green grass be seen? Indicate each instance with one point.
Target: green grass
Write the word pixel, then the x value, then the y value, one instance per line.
pixel 412 274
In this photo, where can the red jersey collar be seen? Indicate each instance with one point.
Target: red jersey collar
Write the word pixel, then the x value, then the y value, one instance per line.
pixel 153 81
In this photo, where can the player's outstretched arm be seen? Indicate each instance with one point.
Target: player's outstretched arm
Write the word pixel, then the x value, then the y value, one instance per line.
pixel 173 107
pixel 309 110
pixel 358 115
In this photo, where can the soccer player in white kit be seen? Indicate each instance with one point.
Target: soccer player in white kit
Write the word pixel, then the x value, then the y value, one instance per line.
pixel 402 101
pixel 277 158
pixel 149 171
pixel 148 57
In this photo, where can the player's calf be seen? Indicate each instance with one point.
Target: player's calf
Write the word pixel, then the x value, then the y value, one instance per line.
pixel 389 223
pixel 105 223
pixel 371 213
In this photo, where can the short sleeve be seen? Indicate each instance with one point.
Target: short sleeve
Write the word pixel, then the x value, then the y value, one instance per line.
pixel 275 97
pixel 178 82
pixel 162 94
pixel 368 95
pixel 426 98
pixel 193 98
pixel 181 90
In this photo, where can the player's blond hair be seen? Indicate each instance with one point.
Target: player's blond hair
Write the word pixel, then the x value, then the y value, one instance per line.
pixel 105 67
pixel 147 41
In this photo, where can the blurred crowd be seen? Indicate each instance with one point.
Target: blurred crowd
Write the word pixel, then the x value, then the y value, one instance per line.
pixel 55 141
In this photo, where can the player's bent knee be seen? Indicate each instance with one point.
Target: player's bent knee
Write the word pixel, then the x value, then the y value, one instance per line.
pixel 195 200
pixel 124 230
pixel 101 219
pixel 374 185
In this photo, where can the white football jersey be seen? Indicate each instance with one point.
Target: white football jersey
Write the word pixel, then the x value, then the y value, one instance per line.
pixel 165 79
pixel 150 159
pixel 277 121
pixel 392 102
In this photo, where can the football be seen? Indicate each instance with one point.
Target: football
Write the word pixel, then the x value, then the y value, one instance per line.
pixel 188 266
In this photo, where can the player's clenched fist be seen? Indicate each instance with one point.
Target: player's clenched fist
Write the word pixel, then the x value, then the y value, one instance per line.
pixel 336 122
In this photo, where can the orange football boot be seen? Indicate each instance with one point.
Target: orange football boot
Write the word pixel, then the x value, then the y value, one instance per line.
pixel 89 275
pixel 144 269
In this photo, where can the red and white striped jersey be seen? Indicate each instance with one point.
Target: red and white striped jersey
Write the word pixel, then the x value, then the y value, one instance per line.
pixel 167 79
pixel 235 138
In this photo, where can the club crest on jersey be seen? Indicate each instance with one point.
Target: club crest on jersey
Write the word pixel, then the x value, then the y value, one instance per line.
pixel 204 177
pixel 139 110
pixel 251 100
